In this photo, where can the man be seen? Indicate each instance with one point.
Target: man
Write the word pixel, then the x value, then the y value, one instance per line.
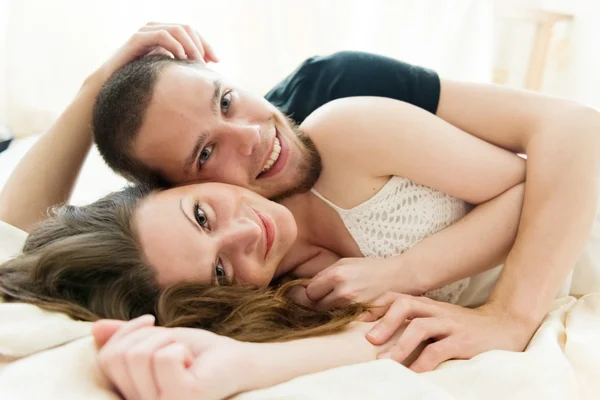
pixel 235 136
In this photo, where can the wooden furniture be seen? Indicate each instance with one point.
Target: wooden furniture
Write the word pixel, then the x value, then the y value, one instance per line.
pixel 544 22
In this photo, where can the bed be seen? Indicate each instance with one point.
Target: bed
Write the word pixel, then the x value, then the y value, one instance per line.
pixel 46 355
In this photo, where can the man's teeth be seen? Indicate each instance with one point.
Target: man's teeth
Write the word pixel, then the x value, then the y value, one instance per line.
pixel 274 156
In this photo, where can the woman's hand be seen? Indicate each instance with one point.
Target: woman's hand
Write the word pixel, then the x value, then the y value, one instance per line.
pixel 175 40
pixel 356 280
pixel 454 332
pixel 147 362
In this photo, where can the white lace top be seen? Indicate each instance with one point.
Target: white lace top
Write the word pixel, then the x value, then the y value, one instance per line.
pixel 399 216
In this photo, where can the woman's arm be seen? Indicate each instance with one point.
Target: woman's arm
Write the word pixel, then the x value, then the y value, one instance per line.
pixel 274 363
pixel 45 177
pixel 146 362
pixel 479 241
pixel 406 141
pixel 388 137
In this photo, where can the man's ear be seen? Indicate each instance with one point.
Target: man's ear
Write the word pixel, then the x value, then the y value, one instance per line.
pixel 104 329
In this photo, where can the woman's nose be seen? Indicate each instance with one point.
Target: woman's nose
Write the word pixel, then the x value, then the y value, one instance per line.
pixel 242 236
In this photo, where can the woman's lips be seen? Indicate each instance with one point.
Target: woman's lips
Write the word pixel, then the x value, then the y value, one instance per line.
pixel 269 231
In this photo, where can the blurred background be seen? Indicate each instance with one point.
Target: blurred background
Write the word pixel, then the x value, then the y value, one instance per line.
pixel 48 47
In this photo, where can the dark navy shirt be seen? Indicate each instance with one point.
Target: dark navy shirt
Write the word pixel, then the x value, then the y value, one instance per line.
pixel 321 79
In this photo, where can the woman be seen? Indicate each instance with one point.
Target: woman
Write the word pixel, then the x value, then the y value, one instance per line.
pixel 189 201
pixel 85 261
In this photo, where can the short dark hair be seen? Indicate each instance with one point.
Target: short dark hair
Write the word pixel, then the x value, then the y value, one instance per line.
pixel 119 111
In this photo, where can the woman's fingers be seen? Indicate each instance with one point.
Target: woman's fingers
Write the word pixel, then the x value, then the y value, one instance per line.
pixel 319 287
pixel 139 358
pixel 104 329
pixel 132 326
pixel 170 369
pixel 111 356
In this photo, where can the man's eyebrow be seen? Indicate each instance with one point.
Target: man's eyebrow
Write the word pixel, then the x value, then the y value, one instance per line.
pixel 214 101
pixel 200 142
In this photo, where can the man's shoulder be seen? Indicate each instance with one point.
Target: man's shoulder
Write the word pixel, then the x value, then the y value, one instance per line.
pixel 321 79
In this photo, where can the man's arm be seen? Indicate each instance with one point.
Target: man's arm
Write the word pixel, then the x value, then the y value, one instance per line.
pixel 47 173
pixel 45 177
pixel 562 143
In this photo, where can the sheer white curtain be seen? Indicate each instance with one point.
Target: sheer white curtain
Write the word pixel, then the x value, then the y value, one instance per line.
pixel 47 47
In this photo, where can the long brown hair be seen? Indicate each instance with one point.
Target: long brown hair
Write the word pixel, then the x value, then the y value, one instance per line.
pixel 86 262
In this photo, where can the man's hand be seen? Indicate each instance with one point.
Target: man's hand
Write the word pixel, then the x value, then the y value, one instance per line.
pixel 147 362
pixel 354 280
pixel 179 41
pixel 456 332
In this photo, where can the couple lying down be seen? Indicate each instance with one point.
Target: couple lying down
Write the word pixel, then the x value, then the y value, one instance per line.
pixel 380 215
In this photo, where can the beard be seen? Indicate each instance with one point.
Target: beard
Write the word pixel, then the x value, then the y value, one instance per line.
pixel 309 168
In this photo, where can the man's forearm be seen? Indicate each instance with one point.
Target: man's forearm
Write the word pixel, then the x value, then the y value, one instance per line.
pixel 561 201
pixel 47 173
pixel 479 241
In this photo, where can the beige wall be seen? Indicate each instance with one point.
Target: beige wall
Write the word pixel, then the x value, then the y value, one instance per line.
pixel 53 44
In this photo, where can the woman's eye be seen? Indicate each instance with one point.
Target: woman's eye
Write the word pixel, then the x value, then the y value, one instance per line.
pixel 205 154
pixel 220 273
pixel 225 102
pixel 200 217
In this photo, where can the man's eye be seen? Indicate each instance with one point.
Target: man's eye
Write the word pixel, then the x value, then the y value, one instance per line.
pixel 205 155
pixel 225 102
pixel 200 217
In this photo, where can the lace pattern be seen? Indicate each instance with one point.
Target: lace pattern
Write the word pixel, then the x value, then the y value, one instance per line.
pixel 399 216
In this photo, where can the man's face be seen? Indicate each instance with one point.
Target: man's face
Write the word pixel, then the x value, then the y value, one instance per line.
pixel 200 128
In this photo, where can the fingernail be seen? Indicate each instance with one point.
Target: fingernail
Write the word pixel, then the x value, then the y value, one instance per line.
pixel 385 355
pixel 373 334
pixel 149 318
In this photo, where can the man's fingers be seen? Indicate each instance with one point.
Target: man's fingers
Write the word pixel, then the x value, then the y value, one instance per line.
pixel 161 51
pixel 403 308
pixel 181 33
pixel 209 52
pixel 382 304
pixel 433 355
pixel 162 38
pixel 417 331
pixel 367 316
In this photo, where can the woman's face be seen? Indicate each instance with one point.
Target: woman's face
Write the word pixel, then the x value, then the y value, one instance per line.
pixel 213 233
